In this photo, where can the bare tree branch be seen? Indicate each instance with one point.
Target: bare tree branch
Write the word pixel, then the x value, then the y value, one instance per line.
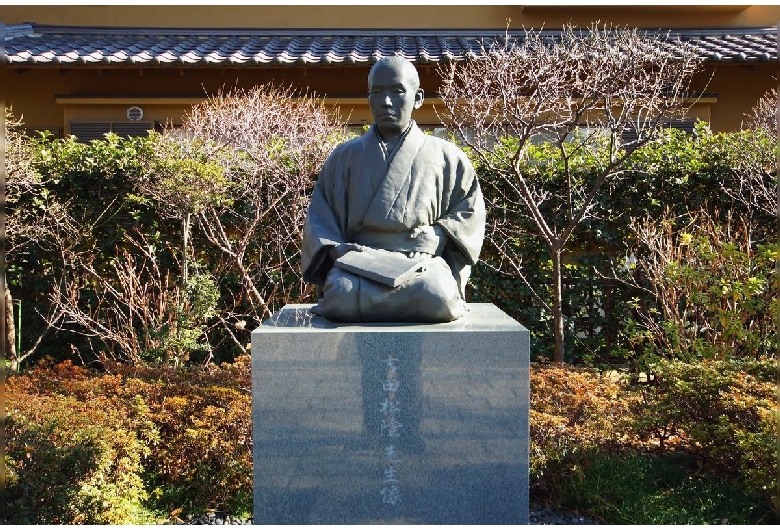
pixel 594 95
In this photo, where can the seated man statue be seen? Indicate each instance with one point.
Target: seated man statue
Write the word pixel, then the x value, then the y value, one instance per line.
pixel 396 199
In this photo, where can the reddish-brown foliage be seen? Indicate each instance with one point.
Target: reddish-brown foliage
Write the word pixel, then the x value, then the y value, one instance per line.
pixel 191 431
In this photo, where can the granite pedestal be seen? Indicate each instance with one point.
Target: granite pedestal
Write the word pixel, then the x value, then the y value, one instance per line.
pixel 390 423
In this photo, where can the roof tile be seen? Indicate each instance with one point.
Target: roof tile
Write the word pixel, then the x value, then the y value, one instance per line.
pixel 33 44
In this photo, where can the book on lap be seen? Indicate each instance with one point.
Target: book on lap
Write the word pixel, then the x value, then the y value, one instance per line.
pixel 382 266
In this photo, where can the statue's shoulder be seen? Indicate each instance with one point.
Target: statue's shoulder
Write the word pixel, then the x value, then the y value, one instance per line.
pixel 342 154
pixel 351 145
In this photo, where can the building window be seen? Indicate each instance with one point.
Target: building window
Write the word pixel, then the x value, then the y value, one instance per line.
pixel 684 125
pixel 87 131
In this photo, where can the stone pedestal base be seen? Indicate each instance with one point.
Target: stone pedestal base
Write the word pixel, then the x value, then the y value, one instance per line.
pixel 390 423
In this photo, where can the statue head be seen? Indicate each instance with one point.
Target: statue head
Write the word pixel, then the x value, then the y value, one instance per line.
pixel 393 93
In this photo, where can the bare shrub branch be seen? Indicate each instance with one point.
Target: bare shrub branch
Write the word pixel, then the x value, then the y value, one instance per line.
pixel 270 141
pixel 764 114
pixel 130 310
pixel 711 290
pixel 755 167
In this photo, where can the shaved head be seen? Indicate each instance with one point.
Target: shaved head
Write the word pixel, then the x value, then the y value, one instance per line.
pixel 399 64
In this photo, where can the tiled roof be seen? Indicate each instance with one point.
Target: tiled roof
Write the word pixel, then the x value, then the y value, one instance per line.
pixel 34 44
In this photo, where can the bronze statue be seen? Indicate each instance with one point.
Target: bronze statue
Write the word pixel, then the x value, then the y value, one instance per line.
pixel 397 217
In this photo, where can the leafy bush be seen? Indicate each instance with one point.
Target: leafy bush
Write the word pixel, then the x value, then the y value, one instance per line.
pixel 722 412
pixel 79 214
pixel 138 444
pixel 713 294
pixel 681 177
pixel 118 278
pixel 696 445
pixel 727 172
pixel 574 412
pixel 700 248
pixel 517 269
pixel 202 440
pixel 79 205
pixel 119 222
pixel 117 447
pixel 176 338
pixel 71 460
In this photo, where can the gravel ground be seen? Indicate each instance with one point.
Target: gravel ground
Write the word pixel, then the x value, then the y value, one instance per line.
pixel 538 515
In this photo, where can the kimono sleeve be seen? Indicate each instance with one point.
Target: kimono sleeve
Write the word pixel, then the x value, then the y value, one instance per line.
pixel 322 228
pixel 464 220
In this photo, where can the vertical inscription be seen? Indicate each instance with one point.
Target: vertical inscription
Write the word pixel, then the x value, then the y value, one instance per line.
pixel 391 430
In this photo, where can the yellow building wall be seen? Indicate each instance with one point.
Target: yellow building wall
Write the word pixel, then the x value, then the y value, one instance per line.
pixel 407 16
pixel 52 98
pixel 739 88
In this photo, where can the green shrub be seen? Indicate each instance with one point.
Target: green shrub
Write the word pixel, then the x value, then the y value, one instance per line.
pixel 202 456
pixel 723 412
pixel 573 412
pixel 109 443
pixel 713 293
pixel 179 339
pixel 81 211
pixel 697 444
pixel 71 461
pixel 727 175
pixel 227 196
pixel 728 172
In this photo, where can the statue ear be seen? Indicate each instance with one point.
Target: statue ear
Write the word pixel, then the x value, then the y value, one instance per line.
pixel 419 96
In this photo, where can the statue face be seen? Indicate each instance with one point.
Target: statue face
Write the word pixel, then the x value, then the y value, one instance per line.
pixel 392 95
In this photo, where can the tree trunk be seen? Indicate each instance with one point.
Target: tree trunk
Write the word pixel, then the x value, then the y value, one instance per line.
pixel 10 329
pixel 558 353
pixel 186 222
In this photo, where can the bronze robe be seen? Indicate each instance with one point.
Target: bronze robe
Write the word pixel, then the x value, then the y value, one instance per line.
pixel 361 197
